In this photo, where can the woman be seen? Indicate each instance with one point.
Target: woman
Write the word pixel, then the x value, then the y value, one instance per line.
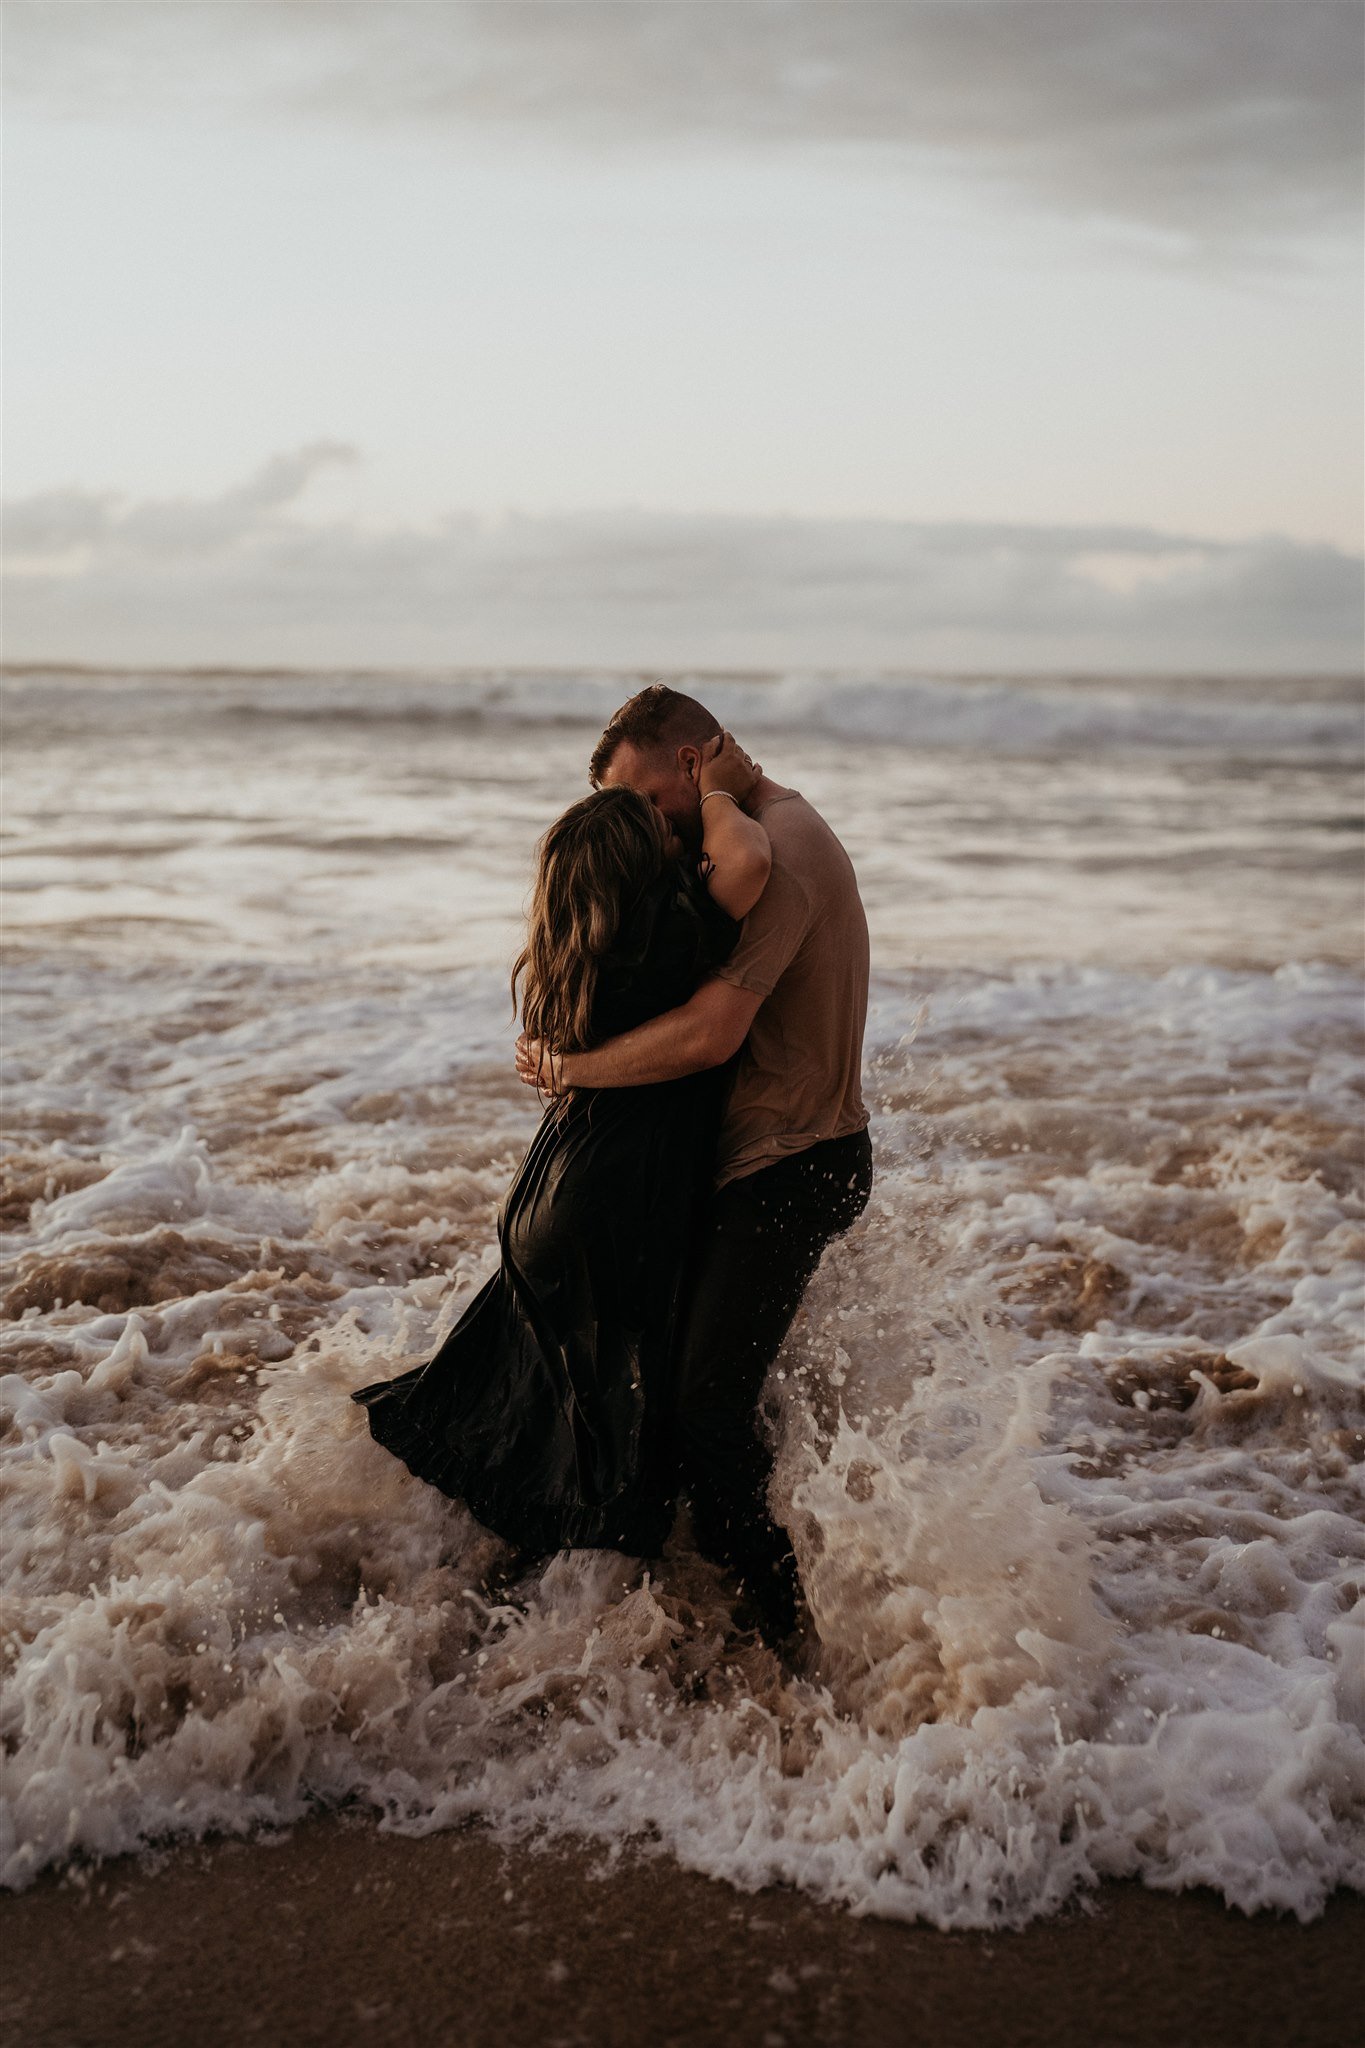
pixel 541 1410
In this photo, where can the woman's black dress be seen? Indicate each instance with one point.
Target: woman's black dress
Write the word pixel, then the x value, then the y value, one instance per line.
pixel 541 1410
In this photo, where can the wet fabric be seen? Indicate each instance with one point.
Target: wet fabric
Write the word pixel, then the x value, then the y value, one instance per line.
pixel 764 1236
pixel 543 1410
pixel 804 951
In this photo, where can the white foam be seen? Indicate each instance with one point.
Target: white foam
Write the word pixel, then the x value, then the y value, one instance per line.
pixel 231 1606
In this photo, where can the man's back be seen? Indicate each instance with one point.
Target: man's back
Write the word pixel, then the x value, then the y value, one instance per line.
pixel 804 949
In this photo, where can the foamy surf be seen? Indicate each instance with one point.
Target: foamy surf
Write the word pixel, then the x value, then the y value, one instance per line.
pixel 1072 1430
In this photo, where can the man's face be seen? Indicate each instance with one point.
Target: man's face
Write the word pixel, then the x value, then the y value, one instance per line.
pixel 663 776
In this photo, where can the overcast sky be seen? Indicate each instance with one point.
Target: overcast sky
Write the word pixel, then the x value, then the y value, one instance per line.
pixel 967 335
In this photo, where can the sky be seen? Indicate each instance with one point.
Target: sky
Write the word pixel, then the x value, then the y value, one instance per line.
pixel 1005 335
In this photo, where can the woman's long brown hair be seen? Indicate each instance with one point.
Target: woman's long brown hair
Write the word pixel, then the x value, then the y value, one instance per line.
pixel 594 864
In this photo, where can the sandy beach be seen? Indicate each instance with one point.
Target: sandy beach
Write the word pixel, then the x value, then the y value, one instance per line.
pixel 336 1933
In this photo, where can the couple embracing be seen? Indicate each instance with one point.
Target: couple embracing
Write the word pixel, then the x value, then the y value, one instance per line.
pixel 693 991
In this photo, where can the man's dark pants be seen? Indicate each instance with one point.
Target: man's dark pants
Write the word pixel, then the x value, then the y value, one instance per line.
pixel 761 1241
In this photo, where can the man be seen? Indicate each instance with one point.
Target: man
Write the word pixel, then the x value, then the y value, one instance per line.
pixel 794 1167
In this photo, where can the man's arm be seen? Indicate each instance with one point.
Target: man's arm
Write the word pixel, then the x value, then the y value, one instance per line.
pixel 703 1032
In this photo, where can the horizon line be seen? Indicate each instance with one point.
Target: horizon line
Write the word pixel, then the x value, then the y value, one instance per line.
pixel 262 671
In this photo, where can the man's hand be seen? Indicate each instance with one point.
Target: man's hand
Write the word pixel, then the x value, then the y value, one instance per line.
pixel 725 765
pixel 538 1067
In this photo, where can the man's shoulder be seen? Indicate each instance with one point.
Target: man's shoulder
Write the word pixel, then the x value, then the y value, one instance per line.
pixel 801 839
pixel 788 816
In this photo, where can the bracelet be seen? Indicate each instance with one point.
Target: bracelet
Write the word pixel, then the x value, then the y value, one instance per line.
pixel 721 792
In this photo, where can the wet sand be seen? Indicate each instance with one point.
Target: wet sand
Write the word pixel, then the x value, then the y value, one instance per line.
pixel 338 1934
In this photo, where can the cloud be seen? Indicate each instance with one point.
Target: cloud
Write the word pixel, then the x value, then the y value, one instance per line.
pixel 246 578
pixel 53 524
pixel 1209 123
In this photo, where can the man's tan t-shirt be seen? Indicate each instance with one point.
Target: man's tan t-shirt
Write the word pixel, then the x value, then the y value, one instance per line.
pixel 804 949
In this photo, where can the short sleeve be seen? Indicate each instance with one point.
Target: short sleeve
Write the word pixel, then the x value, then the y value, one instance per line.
pixel 770 936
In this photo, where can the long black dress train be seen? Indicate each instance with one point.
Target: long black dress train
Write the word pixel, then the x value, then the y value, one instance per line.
pixel 541 1410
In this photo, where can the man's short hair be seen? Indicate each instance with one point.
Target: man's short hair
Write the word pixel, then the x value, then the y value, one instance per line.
pixel 656 718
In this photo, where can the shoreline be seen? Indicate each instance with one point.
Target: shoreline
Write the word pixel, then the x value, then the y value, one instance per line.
pixel 335 1932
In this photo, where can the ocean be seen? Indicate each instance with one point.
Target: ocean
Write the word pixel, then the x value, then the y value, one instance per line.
pixel 1071 1427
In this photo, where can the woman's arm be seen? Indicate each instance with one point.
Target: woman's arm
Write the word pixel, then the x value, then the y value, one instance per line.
pixel 738 856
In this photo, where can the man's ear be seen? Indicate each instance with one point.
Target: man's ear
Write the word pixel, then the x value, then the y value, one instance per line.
pixel 689 760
